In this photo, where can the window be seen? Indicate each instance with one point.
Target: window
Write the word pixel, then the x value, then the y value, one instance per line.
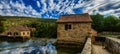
pixel 9 33
pixel 67 26
pixel 23 33
pixel 28 33
pixel 15 33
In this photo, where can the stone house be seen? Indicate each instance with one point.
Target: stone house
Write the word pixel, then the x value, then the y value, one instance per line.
pixel 22 31
pixel 73 28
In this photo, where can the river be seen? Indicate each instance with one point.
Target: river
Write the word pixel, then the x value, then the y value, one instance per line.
pixel 36 46
pixel 28 47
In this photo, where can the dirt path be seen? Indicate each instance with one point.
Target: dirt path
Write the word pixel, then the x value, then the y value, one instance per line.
pixel 97 49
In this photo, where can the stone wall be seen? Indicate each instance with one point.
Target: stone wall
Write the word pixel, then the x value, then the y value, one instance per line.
pixel 113 45
pixel 88 47
pixel 78 32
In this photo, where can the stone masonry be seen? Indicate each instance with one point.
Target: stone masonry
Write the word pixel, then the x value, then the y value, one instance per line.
pixel 113 45
pixel 78 32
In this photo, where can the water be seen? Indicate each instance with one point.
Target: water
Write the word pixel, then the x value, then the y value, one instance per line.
pixel 34 47
pixel 68 51
pixel 28 47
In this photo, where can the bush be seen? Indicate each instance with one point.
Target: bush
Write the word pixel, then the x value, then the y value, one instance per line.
pixel 44 29
pixel 48 30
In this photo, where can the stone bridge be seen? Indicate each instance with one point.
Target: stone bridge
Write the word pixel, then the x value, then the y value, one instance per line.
pixel 102 45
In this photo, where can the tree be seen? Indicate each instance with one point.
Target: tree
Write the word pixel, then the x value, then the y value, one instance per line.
pixel 1 24
pixel 97 23
pixel 48 30
pixel 32 24
pixel 111 23
pixel 118 25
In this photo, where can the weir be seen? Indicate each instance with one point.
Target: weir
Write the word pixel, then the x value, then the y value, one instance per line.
pixel 28 47
pixel 109 46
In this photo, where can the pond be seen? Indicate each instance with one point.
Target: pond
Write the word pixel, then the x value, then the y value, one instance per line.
pixel 34 47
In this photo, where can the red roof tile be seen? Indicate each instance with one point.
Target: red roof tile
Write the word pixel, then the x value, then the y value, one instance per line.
pixel 75 18
pixel 20 28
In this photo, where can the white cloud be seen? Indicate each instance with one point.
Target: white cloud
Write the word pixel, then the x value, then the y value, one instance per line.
pixel 44 6
pixel 1 6
pixel 111 12
pixel 38 3
pixel 19 8
pixel 102 4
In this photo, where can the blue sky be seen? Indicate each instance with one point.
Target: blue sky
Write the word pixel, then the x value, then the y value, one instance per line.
pixel 55 8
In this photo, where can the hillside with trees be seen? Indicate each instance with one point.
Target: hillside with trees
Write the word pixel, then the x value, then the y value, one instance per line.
pixel 108 23
pixel 44 27
pixel 48 27
pixel 1 25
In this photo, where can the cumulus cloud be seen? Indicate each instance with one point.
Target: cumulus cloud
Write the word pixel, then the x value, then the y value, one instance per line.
pixel 54 8
pixel 38 3
pixel 17 9
pixel 104 7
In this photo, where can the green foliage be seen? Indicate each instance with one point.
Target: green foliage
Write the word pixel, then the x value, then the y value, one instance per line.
pixel 1 25
pixel 109 23
pixel 97 23
pixel 48 20
pixel 16 20
pixel 44 29
pixel 48 27
pixel 32 24
pixel 1 29
pixel 48 30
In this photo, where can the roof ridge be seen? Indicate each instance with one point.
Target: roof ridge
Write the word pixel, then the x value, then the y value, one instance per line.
pixel 74 14
pixel 75 18
pixel 21 27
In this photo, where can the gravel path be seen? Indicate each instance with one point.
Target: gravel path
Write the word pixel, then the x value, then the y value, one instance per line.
pixel 97 49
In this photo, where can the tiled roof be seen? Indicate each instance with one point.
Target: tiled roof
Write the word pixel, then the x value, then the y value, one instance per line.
pixel 20 28
pixel 75 18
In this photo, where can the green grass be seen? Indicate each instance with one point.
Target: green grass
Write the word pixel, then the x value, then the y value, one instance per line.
pixel 10 21
pixel 108 35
